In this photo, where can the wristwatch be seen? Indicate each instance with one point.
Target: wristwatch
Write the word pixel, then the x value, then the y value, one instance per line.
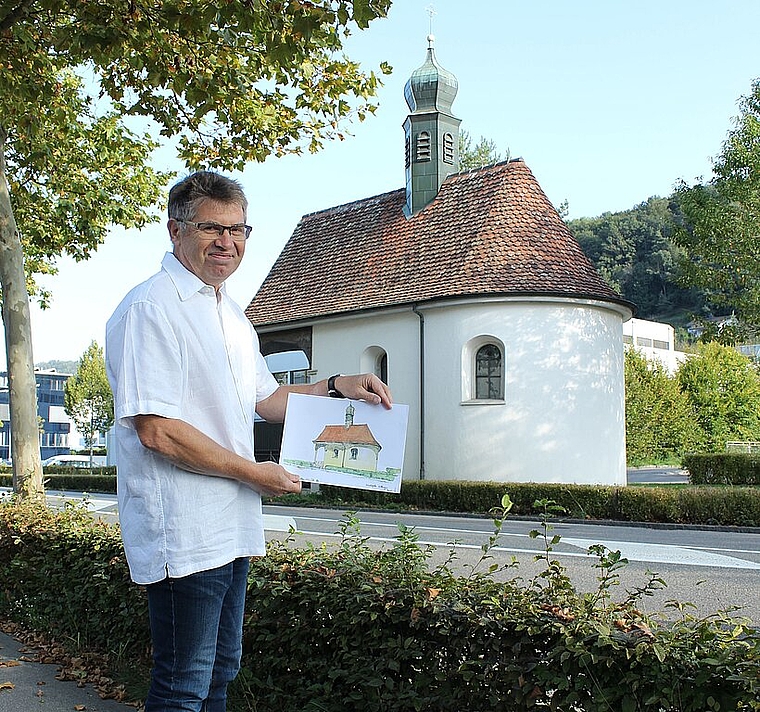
pixel 332 391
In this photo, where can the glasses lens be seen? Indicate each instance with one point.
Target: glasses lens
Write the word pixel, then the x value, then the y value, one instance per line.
pixel 210 229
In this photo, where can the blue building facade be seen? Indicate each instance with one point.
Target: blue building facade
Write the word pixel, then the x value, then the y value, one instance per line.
pixel 55 426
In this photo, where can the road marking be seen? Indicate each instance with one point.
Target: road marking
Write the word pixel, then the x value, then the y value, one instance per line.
pixel 633 551
pixel 666 554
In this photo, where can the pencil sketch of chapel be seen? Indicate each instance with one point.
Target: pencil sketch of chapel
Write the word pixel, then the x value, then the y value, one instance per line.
pixel 351 446
pixel 467 293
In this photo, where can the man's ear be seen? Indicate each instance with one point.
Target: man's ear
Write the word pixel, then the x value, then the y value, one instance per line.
pixel 173 227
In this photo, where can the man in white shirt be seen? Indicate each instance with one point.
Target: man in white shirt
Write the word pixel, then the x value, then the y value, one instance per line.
pixel 187 376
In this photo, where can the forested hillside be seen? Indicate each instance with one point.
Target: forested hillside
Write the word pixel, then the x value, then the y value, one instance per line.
pixel 634 252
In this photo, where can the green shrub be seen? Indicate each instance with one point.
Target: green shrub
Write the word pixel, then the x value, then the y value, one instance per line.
pixel 737 506
pixel 65 573
pixel 723 469
pixel 58 478
pixel 654 504
pixel 353 626
pixel 728 506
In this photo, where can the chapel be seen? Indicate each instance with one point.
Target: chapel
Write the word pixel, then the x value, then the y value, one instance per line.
pixel 466 292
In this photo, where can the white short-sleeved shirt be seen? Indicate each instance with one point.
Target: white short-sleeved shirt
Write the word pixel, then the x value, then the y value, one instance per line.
pixel 174 350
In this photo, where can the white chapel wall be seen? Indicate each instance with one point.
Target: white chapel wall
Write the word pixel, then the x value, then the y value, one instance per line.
pixel 562 419
pixel 344 345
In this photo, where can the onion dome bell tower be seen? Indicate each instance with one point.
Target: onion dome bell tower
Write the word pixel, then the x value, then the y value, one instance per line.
pixel 431 131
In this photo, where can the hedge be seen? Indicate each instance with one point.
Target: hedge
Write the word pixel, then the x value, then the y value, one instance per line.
pixel 728 506
pixel 725 468
pixel 350 626
pixel 701 505
pixel 65 573
pixel 59 477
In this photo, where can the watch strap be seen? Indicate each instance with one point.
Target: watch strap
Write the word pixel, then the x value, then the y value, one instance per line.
pixel 332 391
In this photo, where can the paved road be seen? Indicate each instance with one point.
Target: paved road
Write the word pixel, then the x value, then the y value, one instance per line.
pixel 657 475
pixel 711 569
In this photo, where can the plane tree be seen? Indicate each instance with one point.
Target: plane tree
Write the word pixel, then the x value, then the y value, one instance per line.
pixel 88 91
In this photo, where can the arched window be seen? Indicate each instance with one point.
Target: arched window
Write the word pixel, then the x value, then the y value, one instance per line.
pixel 354 453
pixel 488 378
pixel 448 148
pixel 375 360
pixel 382 368
pixel 484 371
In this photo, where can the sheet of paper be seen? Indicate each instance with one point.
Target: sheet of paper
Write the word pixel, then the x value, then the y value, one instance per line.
pixel 336 441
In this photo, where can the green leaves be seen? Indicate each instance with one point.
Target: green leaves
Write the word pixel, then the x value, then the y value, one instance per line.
pixel 87 397
pixel 720 221
pixel 724 388
pixel 484 153
pixel 234 82
pixel 660 424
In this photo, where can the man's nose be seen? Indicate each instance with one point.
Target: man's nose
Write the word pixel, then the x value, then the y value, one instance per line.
pixel 225 239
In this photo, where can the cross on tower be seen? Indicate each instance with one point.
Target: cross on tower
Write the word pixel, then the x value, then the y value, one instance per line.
pixel 430 11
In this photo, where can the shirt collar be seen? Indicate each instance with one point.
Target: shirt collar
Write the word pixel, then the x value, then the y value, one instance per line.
pixel 186 283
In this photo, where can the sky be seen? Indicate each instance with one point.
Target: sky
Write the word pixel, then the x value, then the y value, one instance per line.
pixel 608 102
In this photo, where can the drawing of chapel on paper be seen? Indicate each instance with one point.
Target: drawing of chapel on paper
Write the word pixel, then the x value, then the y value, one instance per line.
pixel 349 445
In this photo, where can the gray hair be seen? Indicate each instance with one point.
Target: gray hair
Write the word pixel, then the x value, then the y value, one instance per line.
pixel 187 195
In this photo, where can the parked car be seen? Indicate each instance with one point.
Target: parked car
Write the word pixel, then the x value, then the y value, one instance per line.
pixel 82 461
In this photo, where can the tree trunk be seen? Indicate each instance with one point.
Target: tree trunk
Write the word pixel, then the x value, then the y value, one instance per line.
pixel 22 386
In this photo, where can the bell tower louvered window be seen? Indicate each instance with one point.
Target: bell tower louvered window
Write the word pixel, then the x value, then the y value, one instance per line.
pixel 423 146
pixel 448 148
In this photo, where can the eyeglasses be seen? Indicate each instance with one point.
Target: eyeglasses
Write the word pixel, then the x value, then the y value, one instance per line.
pixel 238 232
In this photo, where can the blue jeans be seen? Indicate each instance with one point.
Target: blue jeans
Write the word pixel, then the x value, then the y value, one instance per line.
pixel 196 624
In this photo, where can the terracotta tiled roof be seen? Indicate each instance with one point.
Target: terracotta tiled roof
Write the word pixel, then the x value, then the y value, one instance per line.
pixel 354 435
pixel 490 231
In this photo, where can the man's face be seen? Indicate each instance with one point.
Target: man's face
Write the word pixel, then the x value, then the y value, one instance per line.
pixel 211 258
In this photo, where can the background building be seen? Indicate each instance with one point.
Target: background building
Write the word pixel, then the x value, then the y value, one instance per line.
pixel 58 434
pixel 655 340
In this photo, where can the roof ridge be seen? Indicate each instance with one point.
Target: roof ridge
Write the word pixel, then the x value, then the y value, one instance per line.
pixel 475 169
pixel 345 206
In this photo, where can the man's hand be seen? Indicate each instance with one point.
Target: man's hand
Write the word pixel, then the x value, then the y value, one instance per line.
pixel 366 387
pixel 274 480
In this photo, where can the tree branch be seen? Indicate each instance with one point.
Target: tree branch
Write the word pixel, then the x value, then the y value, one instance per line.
pixel 14 14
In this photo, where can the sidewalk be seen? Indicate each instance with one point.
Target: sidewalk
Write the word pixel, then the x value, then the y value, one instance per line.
pixel 27 686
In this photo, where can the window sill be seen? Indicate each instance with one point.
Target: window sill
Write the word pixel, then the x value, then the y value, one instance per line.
pixel 484 401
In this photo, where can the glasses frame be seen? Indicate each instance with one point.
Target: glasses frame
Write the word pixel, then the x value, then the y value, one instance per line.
pixel 202 226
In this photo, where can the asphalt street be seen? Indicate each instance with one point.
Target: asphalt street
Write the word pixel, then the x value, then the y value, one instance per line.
pixel 713 569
